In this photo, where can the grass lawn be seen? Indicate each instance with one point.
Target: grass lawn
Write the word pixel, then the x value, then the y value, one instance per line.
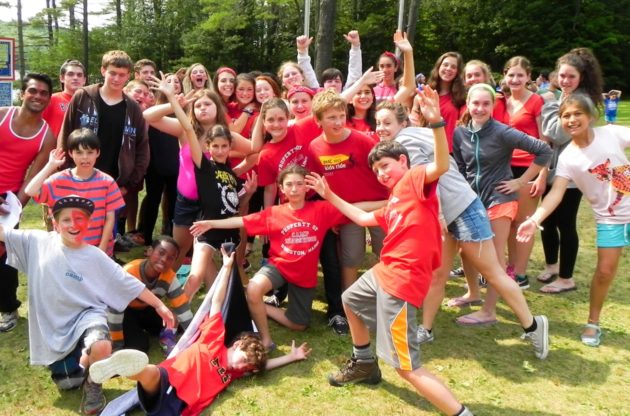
pixel 489 369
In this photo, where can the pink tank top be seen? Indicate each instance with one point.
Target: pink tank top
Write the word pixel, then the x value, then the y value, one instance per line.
pixel 186 183
pixel 17 152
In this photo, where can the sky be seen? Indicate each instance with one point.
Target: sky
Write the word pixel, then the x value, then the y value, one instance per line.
pixel 31 7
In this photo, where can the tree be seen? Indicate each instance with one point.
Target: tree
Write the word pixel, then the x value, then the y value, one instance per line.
pixel 325 34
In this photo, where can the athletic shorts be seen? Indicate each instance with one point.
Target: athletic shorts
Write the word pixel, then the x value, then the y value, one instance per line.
pixel 67 371
pixel 216 244
pixel 186 211
pixel 300 303
pixel 353 243
pixel 613 235
pixel 164 402
pixel 506 209
pixel 393 319
pixel 472 225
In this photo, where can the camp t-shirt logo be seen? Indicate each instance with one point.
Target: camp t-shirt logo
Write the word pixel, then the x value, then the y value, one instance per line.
pixel 221 371
pixel 299 238
pixel 293 156
pixel 336 162
pixel 393 217
pixel 226 185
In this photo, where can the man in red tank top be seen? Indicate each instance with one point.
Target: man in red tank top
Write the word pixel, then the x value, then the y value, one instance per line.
pixel 25 141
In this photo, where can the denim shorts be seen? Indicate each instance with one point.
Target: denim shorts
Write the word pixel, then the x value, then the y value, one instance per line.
pixel 186 211
pixel 472 225
pixel 613 235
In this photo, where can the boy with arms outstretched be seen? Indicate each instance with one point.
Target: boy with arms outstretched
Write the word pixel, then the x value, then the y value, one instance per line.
pixel 69 333
pixel 386 298
pixel 189 382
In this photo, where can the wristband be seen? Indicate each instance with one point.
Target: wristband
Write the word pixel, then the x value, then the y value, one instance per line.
pixel 437 125
pixel 248 112
pixel 535 223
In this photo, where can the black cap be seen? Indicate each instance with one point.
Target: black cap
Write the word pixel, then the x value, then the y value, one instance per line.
pixel 74 201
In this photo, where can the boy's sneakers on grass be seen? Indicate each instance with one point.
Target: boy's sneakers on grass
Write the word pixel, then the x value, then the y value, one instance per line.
pixel 121 363
pixel 459 272
pixel 424 335
pixel 540 337
pixel 356 371
pixel 167 340
pixel 8 320
pixel 523 281
pixel 339 324
pixel 272 301
pixel 93 400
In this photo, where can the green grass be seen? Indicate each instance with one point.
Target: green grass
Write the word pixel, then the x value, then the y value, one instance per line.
pixel 489 369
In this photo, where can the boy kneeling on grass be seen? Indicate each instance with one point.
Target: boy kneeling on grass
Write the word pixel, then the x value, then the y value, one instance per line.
pixel 386 298
pixel 69 333
pixel 189 382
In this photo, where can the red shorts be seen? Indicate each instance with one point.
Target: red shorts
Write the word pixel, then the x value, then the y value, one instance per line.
pixel 507 209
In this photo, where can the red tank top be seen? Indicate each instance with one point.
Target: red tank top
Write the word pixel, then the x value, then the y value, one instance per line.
pixel 17 152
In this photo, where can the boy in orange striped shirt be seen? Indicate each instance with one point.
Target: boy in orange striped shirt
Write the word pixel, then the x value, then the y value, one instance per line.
pixel 83 180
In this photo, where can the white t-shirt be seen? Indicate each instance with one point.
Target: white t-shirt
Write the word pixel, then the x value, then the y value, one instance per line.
pixel 602 172
pixel 68 290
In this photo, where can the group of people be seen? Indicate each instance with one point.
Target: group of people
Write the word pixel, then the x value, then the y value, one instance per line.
pixel 453 165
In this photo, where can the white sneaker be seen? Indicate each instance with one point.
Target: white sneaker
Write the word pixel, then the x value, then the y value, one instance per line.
pixel 540 337
pixel 122 363
pixel 8 320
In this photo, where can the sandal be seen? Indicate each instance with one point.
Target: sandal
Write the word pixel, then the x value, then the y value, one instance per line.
pixel 592 340
pixel 461 302
pixel 546 277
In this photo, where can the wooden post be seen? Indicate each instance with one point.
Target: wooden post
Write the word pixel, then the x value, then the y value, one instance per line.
pixel 307 17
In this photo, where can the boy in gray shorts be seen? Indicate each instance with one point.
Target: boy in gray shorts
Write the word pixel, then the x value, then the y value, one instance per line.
pixel 386 297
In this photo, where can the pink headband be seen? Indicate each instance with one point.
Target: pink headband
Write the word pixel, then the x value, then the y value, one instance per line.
pixel 295 90
pixel 225 69
pixel 392 56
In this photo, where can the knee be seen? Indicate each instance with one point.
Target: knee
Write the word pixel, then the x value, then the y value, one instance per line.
pixel 254 292
pixel 605 273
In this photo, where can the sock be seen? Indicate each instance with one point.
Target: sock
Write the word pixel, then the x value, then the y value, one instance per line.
pixel 362 352
pixel 464 412
pixel 430 331
pixel 532 327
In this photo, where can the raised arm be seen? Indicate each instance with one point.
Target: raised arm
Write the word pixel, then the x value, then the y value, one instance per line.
pixel 56 159
pixel 429 103
pixel 38 163
pixel 357 215
pixel 218 297
pixel 304 61
pixel 355 60
pixel 368 77
pixel 409 78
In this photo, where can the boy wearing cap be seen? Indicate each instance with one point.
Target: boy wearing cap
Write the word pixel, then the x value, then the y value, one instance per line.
pixel 70 333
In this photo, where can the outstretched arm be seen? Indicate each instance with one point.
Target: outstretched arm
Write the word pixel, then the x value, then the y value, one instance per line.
pixel 429 103
pixel 165 313
pixel 357 215
pixel 368 77
pixel 223 278
pixel 297 354
pixel 200 227
pixel 528 227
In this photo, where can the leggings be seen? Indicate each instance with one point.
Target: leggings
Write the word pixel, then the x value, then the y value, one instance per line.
pixel 560 232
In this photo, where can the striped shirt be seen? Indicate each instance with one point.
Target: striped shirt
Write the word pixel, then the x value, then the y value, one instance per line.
pixel 100 188
pixel 167 285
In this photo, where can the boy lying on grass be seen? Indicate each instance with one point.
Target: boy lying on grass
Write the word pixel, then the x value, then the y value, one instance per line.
pixel 189 382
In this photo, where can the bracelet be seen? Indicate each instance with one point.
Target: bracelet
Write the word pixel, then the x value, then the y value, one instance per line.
pixel 248 112
pixel 535 223
pixel 437 125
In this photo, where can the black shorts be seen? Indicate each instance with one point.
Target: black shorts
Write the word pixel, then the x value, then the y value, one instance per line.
pixel 165 402
pixel 186 211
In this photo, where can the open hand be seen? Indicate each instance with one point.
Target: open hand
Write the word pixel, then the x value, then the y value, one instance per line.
pixel 371 77
pixel 56 158
pixel 508 187
pixel 428 101
pixel 300 353
pixel 401 41
pixel 526 231
pixel 161 84
pixel 167 316
pixel 200 227
pixel 317 183
pixel 251 182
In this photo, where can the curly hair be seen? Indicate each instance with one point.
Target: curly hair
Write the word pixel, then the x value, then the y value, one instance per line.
pixel 252 346
pixel 591 79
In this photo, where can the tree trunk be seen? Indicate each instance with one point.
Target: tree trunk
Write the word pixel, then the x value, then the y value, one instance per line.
pixel 20 39
pixel 86 48
pixel 325 33
pixel 49 23
pixel 71 18
pixel 55 20
pixel 118 15
pixel 412 19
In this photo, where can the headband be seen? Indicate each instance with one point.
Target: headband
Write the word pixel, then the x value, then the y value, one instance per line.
pixel 392 56
pixel 295 90
pixel 225 69
pixel 483 86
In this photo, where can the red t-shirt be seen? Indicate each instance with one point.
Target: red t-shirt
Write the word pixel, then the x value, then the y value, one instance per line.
pixel 234 112
pixel 345 166
pixel 361 124
pixel 412 248
pixel 450 114
pixel 274 157
pixel 525 120
pixel 56 111
pixel 308 128
pixel 295 237
pixel 199 373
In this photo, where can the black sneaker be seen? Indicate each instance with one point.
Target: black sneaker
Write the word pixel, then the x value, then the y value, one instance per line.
pixel 93 400
pixel 523 281
pixel 356 371
pixel 339 324
pixel 459 272
pixel 272 301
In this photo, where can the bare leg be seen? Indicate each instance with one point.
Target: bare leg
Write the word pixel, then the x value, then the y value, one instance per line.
pixel 435 295
pixel 181 234
pixel 471 274
pixel 519 253
pixel 132 210
pixel 279 315
pixel 359 331
pixel 98 351
pixel 202 268
pixel 432 389
pixel 256 289
pixel 348 276
pixel 607 263
pixel 149 379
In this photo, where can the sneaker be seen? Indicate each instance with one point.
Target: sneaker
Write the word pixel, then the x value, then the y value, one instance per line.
pixel 167 341
pixel 8 320
pixel 540 337
pixel 121 363
pixel 424 335
pixel 93 400
pixel 272 301
pixel 246 265
pixel 482 281
pixel 459 272
pixel 466 412
pixel 356 371
pixel 523 281
pixel 121 245
pixel 339 324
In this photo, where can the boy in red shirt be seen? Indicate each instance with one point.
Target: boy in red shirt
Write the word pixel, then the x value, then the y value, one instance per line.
pixel 386 298
pixel 189 382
